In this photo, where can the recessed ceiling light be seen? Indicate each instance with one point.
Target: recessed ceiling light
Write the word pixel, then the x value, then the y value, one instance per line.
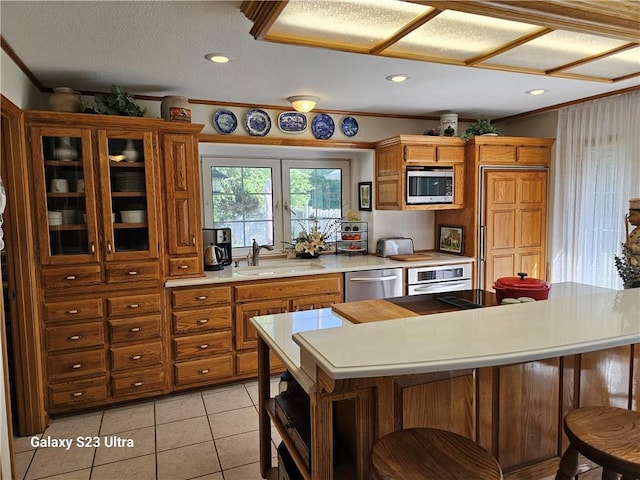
pixel 398 77
pixel 217 57
pixel 537 91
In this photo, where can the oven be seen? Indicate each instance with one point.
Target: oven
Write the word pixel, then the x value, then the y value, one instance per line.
pixel 439 278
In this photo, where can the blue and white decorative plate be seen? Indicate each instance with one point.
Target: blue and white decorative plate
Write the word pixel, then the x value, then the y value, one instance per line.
pixel 225 121
pixel 349 126
pixel 292 122
pixel 322 126
pixel 257 122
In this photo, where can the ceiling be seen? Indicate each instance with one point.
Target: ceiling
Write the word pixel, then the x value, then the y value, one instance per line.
pixel 157 48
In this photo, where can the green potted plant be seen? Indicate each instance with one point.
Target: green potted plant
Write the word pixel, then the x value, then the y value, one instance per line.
pixel 481 127
pixel 117 102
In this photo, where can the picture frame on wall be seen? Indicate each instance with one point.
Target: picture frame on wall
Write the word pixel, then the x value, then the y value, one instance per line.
pixel 450 239
pixel 364 196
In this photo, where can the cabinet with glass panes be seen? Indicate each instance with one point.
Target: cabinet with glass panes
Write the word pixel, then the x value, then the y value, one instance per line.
pixel 353 238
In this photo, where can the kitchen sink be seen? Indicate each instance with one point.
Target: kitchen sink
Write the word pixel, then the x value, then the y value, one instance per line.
pixel 277 268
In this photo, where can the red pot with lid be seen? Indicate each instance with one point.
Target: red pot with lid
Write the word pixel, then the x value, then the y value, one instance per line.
pixel 521 286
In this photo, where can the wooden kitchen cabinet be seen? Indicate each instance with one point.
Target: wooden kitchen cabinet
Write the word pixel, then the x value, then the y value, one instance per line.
pixel 181 184
pixel 505 213
pixel 393 155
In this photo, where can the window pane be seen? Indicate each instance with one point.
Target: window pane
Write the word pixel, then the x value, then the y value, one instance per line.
pixel 243 201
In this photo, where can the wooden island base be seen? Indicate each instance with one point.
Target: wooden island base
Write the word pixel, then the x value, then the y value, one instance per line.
pixel 514 411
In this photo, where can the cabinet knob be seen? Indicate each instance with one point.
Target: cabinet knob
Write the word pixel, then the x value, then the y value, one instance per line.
pixel 203 346
pixel 137 384
pixel 193 240
pixel 73 312
pixel 76 366
pixel 132 272
pixel 70 277
pixel 75 337
pixel 93 248
pixel 136 357
pixel 135 329
pixel 77 394
pixel 205 371
pixel 109 249
pixel 202 321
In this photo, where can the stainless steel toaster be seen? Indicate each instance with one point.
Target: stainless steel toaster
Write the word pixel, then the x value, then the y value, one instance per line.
pixel 394 246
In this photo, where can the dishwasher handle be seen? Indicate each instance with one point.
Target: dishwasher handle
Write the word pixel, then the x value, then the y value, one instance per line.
pixel 374 279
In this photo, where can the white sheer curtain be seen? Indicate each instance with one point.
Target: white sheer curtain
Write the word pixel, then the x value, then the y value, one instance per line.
pixel 597 171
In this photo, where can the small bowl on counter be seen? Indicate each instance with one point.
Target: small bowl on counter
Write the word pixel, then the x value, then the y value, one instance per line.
pixel 521 287
pixel 133 216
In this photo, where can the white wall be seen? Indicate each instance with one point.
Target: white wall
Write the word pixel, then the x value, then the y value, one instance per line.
pixel 17 87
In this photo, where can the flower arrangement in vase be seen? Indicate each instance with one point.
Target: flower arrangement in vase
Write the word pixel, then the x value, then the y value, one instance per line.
pixel 309 244
pixel 628 264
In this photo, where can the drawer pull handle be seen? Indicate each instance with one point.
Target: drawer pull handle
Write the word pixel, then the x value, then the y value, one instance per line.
pixel 136 357
pixel 137 384
pixel 201 297
pixel 135 329
pixel 202 321
pixel 132 272
pixel 70 277
pixel 77 394
pixel 73 312
pixel 205 371
pixel 75 337
pixel 76 366
pixel 203 346
pixel 134 305
pixel 183 267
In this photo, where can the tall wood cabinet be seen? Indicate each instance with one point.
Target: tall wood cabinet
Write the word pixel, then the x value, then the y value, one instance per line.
pixel 506 214
pixel 395 154
pixel 105 196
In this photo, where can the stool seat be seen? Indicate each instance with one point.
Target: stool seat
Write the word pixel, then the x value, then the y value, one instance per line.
pixel 608 436
pixel 431 454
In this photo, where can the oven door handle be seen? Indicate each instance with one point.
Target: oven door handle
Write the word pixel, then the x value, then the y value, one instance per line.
pixel 439 287
pixel 374 279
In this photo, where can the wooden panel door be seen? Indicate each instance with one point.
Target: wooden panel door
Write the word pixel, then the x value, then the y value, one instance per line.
pixel 246 336
pixel 515 220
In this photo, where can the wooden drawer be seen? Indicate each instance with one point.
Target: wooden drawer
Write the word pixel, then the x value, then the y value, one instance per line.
pixel 201 296
pixel 185 266
pixel 64 395
pixel 132 329
pixel 247 363
pixel 74 336
pixel 136 356
pixel 138 382
pixel 71 276
pixel 68 365
pixel 73 310
pixel 497 153
pixel 133 272
pixel 289 289
pixel 195 321
pixel 134 305
pixel 198 371
pixel 201 345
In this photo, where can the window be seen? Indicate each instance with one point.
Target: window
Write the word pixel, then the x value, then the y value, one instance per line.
pixel 271 200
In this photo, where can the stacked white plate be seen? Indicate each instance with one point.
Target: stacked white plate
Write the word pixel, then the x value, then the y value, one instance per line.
pixel 54 217
pixel 129 181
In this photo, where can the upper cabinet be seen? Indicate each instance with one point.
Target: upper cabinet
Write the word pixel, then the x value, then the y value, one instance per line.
pixel 510 150
pixel 395 155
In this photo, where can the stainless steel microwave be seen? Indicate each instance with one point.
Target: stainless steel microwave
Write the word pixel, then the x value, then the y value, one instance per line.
pixel 429 185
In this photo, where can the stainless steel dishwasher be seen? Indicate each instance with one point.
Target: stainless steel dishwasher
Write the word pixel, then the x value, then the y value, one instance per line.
pixel 371 284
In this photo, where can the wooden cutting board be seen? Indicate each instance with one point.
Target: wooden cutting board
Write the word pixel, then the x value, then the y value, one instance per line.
pixel 411 257
pixel 371 311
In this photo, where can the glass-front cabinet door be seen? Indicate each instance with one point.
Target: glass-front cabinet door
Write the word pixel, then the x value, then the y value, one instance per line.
pixel 65 195
pixel 128 195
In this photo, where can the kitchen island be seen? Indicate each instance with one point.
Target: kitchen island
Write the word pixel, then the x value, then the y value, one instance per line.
pixel 503 376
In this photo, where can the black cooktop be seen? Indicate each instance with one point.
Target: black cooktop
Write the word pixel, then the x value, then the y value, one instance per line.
pixel 446 301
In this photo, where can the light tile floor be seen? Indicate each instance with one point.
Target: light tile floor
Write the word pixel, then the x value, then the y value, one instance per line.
pixel 209 434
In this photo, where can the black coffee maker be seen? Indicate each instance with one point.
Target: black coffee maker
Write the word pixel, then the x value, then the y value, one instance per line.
pixel 220 237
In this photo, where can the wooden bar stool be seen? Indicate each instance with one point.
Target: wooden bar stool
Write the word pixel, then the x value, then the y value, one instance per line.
pixel 608 436
pixel 431 454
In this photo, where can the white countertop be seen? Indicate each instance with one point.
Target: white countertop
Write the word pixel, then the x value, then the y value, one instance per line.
pixel 576 318
pixel 329 263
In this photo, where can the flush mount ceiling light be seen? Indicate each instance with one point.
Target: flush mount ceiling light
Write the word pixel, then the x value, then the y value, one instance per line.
pixel 536 91
pixel 582 41
pixel 398 77
pixel 217 58
pixel 303 103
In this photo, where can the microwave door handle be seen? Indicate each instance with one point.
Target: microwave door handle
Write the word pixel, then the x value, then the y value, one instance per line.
pixel 439 287
pixel 385 278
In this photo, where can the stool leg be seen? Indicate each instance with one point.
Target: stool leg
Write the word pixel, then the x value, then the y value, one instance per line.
pixel 568 465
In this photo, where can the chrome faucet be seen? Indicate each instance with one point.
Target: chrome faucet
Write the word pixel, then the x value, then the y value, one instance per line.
pixel 254 258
